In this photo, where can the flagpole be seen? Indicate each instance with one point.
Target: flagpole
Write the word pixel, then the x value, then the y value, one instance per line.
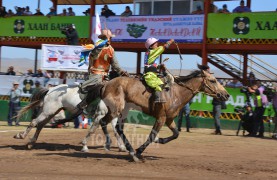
pixel 91 14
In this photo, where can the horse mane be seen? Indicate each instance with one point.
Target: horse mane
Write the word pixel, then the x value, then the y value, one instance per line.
pixel 181 80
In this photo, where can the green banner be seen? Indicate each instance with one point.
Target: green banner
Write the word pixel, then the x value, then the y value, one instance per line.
pixel 237 99
pixel 259 25
pixel 43 26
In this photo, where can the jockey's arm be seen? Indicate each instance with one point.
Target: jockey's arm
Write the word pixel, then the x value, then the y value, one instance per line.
pixel 115 65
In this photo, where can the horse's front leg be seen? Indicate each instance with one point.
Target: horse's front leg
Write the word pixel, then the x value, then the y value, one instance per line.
pixel 172 126
pixel 155 130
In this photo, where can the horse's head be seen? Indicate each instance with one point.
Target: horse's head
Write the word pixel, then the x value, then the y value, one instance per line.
pixel 212 87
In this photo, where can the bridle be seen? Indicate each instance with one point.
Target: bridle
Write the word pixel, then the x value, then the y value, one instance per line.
pixel 204 84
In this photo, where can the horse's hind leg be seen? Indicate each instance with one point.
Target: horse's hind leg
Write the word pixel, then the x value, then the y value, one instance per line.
pixel 155 130
pixel 33 123
pixel 119 127
pixel 107 145
pixel 171 125
pixel 120 144
pixel 38 130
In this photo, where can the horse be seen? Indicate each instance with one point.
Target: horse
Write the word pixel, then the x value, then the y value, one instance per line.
pixel 121 91
pixel 51 102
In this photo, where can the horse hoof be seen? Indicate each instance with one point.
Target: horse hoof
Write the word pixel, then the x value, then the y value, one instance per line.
pixel 85 149
pixel 122 149
pixel 29 146
pixel 107 147
pixel 18 136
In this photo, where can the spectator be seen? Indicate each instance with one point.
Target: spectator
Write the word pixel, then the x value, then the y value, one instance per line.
pixel 234 84
pixel 14 103
pixel 29 73
pixel 71 35
pixel 198 10
pixel 39 73
pixel 107 12
pixel 10 71
pixel 19 11
pixel 241 8
pixel 127 12
pixel 212 8
pixel 64 13
pixel 70 12
pixel 27 11
pixel 260 102
pixel 87 12
pixel 185 109
pixel 36 89
pixel 52 12
pixel 38 13
pixel 251 79
pixel 224 9
pixel 10 13
pixel 274 103
pixel 47 76
pixel 3 11
pixel 217 106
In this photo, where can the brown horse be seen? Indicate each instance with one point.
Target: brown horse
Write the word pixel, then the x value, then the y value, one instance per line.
pixel 120 92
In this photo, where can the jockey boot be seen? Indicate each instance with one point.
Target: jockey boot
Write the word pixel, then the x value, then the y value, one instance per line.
pixel 158 97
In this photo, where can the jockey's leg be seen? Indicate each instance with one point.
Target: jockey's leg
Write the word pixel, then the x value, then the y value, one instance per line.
pixel 171 125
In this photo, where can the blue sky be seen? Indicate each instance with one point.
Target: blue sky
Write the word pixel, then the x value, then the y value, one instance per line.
pixel 189 62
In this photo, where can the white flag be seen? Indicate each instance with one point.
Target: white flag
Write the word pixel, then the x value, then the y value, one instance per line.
pixel 96 26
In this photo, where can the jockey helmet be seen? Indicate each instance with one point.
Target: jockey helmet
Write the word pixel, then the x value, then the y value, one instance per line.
pixel 150 41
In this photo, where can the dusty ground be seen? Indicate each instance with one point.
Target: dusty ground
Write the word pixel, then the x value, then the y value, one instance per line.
pixel 195 155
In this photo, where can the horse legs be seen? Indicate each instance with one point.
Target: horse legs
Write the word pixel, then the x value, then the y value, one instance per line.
pixel 171 125
pixel 100 113
pixel 120 144
pixel 35 137
pixel 119 128
pixel 107 145
pixel 34 122
pixel 155 130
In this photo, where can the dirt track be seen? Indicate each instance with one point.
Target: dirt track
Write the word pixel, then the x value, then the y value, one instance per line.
pixel 196 155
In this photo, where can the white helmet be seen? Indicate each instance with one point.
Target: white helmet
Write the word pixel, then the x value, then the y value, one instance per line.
pixel 150 41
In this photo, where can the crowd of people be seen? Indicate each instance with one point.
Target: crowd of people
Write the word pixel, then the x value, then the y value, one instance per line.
pixel 105 11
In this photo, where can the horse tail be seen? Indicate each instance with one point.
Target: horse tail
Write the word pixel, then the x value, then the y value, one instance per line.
pixel 27 108
pixel 35 100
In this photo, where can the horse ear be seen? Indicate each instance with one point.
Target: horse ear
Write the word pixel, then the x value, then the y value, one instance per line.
pixel 203 67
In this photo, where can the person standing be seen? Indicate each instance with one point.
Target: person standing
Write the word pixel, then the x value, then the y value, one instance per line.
pixel 185 109
pixel 71 35
pixel 217 106
pixel 14 103
pixel 260 102
pixel 274 103
pixel 34 93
